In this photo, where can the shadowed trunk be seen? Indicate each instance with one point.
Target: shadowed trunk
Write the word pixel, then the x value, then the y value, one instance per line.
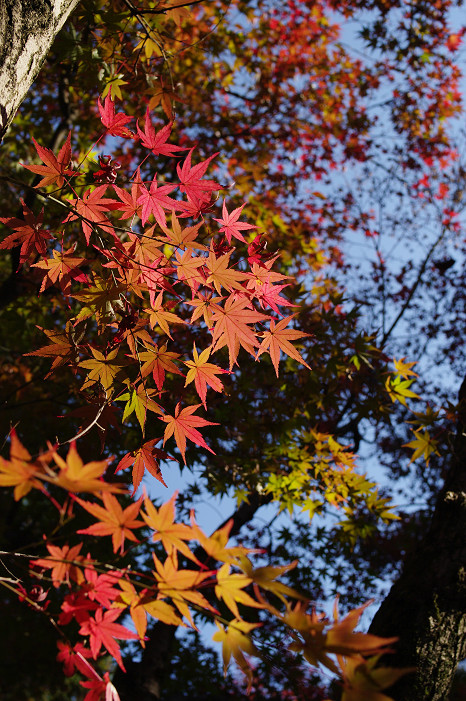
pixel 426 607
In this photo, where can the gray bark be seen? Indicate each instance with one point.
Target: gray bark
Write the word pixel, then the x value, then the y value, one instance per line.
pixel 426 607
pixel 27 31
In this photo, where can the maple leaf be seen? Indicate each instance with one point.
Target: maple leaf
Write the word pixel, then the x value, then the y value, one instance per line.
pixel 172 535
pixel 20 472
pixel 73 658
pixel 342 640
pixel 61 269
pixel 362 681
pixel 231 326
pixel 423 446
pixel 28 233
pixel 221 275
pixel 99 587
pixel 131 207
pixel 278 339
pixel 75 476
pixel 63 349
pixel 404 369
pixel 62 562
pixel 145 458
pixel 158 361
pixel 114 123
pixel 215 544
pixel 102 368
pixel 91 209
pixel 141 604
pixel 181 585
pixel 236 641
pixel 103 631
pixel 187 268
pixel 155 200
pixel 113 520
pixel 191 178
pixel 158 316
pixel 157 141
pixel 230 587
pixel 55 169
pixel 266 577
pixel 398 389
pixel 230 224
pixel 182 238
pixel 102 300
pixel 184 425
pixel 140 401
pixel 203 373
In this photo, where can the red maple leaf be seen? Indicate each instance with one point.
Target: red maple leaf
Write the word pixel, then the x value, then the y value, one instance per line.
pixel 103 632
pixel 114 123
pixel 55 168
pixel 230 224
pixel 155 200
pixel 91 209
pixel 29 234
pixel 184 425
pixel 157 141
pixel 190 178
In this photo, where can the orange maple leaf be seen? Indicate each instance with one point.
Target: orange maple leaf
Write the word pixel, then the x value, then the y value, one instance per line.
pixel 184 425
pixel 278 339
pixel 113 520
pixel 62 562
pixel 173 535
pixel 203 373
pixel 231 326
pixel 75 476
pixel 55 169
pixel 20 471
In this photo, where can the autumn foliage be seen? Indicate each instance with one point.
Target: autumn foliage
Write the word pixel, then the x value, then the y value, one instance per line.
pixel 170 292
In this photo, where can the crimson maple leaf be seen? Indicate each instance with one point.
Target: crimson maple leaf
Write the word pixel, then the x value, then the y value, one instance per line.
pixel 183 425
pixel 155 200
pixel 230 224
pixel 115 123
pixel 190 178
pixel 29 234
pixel 55 168
pixel 103 631
pixel 157 141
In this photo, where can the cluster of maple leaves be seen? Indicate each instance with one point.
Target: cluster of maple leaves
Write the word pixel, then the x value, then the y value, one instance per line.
pixel 131 278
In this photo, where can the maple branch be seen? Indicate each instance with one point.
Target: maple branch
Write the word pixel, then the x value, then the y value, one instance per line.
pixel 93 423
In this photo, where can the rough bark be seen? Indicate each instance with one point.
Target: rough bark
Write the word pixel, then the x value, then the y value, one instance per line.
pixel 426 607
pixel 27 31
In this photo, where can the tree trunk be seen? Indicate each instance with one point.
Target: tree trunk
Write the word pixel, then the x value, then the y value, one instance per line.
pixel 27 31
pixel 426 607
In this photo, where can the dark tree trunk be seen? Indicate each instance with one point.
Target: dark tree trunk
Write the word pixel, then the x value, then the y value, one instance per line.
pixel 27 31
pixel 426 607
